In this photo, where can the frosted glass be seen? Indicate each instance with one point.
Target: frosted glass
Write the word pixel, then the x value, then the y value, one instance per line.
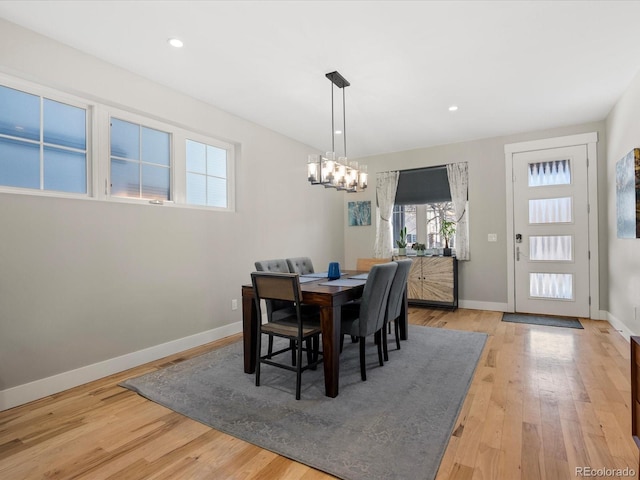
pixel 557 286
pixel 155 146
pixel 125 139
pixel 196 189
pixel 155 182
pixel 196 157
pixel 556 172
pixel 551 210
pixel 216 192
pixel 550 248
pixel 19 114
pixel 65 171
pixel 216 162
pixel 65 125
pixel 125 178
pixel 19 164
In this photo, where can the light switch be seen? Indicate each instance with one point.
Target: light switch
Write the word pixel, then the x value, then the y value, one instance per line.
pixel 492 237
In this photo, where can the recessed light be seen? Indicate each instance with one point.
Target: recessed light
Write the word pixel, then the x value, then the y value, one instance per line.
pixel 338 132
pixel 453 108
pixel 175 42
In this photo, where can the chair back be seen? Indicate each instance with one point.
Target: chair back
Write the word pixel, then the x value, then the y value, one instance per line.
pixel 301 265
pixel 270 286
pixel 398 287
pixel 373 306
pixel 278 265
pixel 365 264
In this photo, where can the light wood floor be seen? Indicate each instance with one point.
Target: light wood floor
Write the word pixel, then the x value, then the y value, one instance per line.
pixel 543 401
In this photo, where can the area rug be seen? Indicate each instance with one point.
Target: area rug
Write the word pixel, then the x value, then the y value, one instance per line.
pixel 396 425
pixel 542 320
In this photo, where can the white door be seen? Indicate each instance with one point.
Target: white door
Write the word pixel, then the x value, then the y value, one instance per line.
pixel 551 226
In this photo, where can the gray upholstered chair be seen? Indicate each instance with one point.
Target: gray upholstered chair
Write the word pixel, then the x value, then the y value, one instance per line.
pixel 369 319
pixel 394 304
pixel 297 328
pixel 301 265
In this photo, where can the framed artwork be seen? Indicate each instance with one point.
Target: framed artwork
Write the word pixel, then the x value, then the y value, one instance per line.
pixel 628 195
pixel 359 213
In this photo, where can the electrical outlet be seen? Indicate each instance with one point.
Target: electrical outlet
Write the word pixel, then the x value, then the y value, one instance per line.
pixel 492 237
pixel 234 304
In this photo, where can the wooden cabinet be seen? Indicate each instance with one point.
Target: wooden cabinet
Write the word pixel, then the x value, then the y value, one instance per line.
pixel 433 281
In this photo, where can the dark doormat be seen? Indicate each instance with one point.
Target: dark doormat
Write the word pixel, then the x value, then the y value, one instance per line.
pixel 542 320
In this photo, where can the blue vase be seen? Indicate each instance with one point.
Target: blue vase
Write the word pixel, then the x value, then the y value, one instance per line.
pixel 334 271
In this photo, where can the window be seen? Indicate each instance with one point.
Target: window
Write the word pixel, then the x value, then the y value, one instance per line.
pixel 43 143
pixel 206 175
pixel 140 161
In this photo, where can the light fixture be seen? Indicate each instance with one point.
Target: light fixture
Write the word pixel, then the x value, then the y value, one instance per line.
pixel 326 170
pixel 453 108
pixel 175 42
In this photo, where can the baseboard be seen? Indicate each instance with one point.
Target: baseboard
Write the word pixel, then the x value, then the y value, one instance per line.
pixel 620 326
pixel 476 305
pixel 28 392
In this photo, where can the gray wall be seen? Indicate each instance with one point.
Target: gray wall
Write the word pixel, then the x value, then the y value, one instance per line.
pixel 623 133
pixel 86 280
pixel 483 279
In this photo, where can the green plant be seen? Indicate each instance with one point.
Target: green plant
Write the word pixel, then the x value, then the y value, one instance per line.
pixel 402 242
pixel 447 230
pixel 419 246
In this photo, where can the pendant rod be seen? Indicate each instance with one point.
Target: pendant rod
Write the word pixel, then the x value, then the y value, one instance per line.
pixel 333 131
pixel 344 124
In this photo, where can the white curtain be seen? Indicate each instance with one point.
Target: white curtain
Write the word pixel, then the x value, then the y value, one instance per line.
pixel 458 184
pixel 386 185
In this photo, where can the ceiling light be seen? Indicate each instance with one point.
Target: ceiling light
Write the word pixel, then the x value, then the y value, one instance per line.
pixel 325 170
pixel 175 42
pixel 453 108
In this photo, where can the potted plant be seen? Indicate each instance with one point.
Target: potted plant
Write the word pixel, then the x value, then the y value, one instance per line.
pixel 447 230
pixel 419 248
pixel 402 242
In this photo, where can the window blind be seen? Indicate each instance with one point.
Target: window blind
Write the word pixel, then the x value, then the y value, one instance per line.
pixel 423 185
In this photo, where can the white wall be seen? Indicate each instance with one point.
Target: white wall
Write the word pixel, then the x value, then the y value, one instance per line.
pixel 86 281
pixel 623 133
pixel 483 279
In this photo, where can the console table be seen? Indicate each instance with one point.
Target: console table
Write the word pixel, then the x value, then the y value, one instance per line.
pixel 433 281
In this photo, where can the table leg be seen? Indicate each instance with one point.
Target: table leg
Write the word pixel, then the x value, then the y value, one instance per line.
pixel 404 317
pixel 330 323
pixel 249 332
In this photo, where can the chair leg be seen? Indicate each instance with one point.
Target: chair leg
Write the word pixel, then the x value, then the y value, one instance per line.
pixel 270 351
pixel 309 351
pixel 384 344
pixel 299 370
pixel 258 354
pixel 341 342
pixel 292 345
pixel 378 334
pixel 363 369
pixel 396 322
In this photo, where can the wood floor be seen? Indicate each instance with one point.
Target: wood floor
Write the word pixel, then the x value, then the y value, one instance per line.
pixel 544 400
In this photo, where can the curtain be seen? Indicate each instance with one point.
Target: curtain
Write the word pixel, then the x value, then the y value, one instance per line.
pixel 386 186
pixel 458 176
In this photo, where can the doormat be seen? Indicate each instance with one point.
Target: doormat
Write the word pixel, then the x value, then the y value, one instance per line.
pixel 566 322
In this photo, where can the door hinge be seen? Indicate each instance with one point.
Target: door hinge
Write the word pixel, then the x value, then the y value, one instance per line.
pixel 589 254
pixel 588 208
pixel 589 300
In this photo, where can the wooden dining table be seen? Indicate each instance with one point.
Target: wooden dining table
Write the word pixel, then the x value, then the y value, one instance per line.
pixel 330 300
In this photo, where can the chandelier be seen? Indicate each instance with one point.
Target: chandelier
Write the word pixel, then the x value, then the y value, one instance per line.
pixel 328 171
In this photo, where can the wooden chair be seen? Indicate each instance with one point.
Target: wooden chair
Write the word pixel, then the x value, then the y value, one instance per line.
pixel 297 328
pixel 365 264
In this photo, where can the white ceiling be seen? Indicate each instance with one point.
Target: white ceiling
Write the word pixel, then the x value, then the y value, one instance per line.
pixel 509 66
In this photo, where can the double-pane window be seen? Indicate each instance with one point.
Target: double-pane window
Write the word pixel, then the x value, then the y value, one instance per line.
pixel 43 143
pixel 206 175
pixel 140 161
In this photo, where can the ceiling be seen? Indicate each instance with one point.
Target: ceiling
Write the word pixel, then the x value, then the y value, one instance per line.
pixel 509 66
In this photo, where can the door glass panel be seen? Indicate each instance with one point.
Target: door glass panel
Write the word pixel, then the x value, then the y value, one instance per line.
pixel 551 248
pixel 551 210
pixel 558 286
pixel 556 172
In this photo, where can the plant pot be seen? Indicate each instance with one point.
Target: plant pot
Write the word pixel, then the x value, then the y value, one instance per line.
pixel 402 251
pixel 421 253
pixel 446 252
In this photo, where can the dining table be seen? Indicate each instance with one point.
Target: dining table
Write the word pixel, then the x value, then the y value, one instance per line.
pixel 329 296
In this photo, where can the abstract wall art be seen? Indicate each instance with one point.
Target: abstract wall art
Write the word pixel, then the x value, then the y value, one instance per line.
pixel 628 195
pixel 359 213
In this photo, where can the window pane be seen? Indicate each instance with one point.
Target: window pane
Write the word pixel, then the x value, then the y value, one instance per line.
pixel 196 189
pixel 196 157
pixel 19 114
pixel 550 248
pixel 551 210
pixel 557 286
pixel 125 178
pixel 155 146
pixel 216 192
pixel 65 171
pixel 216 162
pixel 64 125
pixel 155 182
pixel 19 164
pixel 125 139
pixel 557 172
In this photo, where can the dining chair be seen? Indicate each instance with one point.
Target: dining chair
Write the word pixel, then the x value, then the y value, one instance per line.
pixel 369 319
pixel 297 328
pixel 301 265
pixel 394 304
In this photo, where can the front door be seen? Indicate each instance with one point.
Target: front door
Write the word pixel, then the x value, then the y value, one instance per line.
pixel 551 226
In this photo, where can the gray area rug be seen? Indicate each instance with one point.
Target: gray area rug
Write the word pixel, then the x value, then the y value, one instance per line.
pixel 396 425
pixel 542 320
